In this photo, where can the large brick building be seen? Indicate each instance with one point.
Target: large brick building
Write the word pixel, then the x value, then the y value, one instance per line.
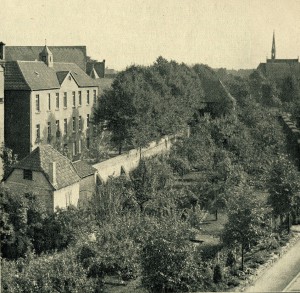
pixel 278 69
pixel 47 102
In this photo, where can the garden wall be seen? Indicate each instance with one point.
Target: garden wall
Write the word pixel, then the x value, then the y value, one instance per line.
pixel 127 162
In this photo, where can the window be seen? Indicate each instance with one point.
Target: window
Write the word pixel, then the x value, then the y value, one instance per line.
pixel 65 100
pixel 49 130
pixel 95 96
pixel 1 100
pixel 79 98
pixel 38 132
pixel 37 103
pixel 79 146
pixel 79 123
pixel 87 120
pixel 65 126
pixel 74 124
pixel 74 148
pixel 88 142
pixel 49 102
pixel 27 174
pixel 57 128
pixel 88 97
pixel 74 99
pixel 57 100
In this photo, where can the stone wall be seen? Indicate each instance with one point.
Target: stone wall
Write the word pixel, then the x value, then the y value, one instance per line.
pixel 293 137
pixel 127 162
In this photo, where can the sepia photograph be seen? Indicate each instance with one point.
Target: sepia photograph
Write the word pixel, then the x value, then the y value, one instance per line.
pixel 149 146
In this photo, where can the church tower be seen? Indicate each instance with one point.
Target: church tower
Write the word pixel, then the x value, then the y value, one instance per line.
pixel 47 56
pixel 273 51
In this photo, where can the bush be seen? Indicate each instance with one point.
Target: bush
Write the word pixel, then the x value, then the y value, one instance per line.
pixel 56 273
pixel 230 261
pixel 168 262
pixel 260 257
pixel 218 275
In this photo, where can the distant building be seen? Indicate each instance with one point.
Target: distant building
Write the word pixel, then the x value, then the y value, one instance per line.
pixel 52 177
pixel 47 102
pixel 278 69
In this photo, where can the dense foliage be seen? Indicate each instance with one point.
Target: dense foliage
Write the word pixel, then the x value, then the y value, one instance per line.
pixel 143 225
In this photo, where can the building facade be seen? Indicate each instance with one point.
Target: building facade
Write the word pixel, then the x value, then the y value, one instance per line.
pixel 48 102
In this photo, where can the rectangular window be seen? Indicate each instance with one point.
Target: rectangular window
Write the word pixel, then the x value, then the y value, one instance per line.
pixel 79 98
pixel 79 146
pixel 49 102
pixel 27 174
pixel 74 124
pixel 37 103
pixel 74 148
pixel 87 142
pixel 95 96
pixel 57 100
pixel 49 130
pixel 87 120
pixel 88 97
pixel 65 100
pixel 65 126
pixel 38 131
pixel 74 99
pixel 79 123
pixel 57 128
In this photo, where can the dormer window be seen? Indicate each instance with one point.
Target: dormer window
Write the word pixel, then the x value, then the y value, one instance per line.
pixel 27 174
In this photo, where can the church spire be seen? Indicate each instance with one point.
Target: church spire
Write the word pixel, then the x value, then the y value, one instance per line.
pixel 273 52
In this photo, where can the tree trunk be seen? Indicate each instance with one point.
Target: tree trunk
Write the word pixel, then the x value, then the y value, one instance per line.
pixel 289 223
pixel 242 257
pixel 140 153
pixel 216 214
pixel 120 148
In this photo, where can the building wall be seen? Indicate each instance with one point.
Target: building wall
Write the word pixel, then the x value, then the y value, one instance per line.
pixel 39 185
pixel 66 196
pixel 1 115
pixel 87 187
pixel 17 121
pixel 45 115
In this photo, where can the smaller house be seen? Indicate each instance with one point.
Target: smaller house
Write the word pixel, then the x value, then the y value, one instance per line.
pixel 87 175
pixel 51 176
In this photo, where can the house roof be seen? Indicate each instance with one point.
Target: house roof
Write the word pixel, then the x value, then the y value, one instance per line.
pixel 279 70
pixel 71 54
pixel 83 169
pixel 39 160
pixel 36 75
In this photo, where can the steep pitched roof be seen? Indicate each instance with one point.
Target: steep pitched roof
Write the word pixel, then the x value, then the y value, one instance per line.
pixel 81 78
pixel 83 169
pixel 39 160
pixel 36 75
pixel 71 54
pixel 94 74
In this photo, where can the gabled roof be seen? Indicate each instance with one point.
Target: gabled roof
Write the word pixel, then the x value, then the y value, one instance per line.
pixel 83 169
pixel 39 160
pixel 36 75
pixel 71 54
pixel 94 74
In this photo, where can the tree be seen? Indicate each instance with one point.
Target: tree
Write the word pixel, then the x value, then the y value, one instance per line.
pixel 149 179
pixel 9 159
pixel 283 186
pixel 246 220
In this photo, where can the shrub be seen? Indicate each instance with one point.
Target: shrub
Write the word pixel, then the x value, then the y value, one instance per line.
pixel 260 257
pixel 56 273
pixel 230 261
pixel 218 275
pixel 168 262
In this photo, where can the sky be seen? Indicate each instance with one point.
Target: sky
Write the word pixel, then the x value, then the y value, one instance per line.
pixel 221 33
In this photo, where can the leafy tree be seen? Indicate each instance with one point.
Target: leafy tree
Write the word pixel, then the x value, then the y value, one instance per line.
pixel 8 158
pixel 283 186
pixel 246 220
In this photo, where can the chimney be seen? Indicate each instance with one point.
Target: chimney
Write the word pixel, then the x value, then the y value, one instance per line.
pixel 52 173
pixel 2 51
pixel 103 74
